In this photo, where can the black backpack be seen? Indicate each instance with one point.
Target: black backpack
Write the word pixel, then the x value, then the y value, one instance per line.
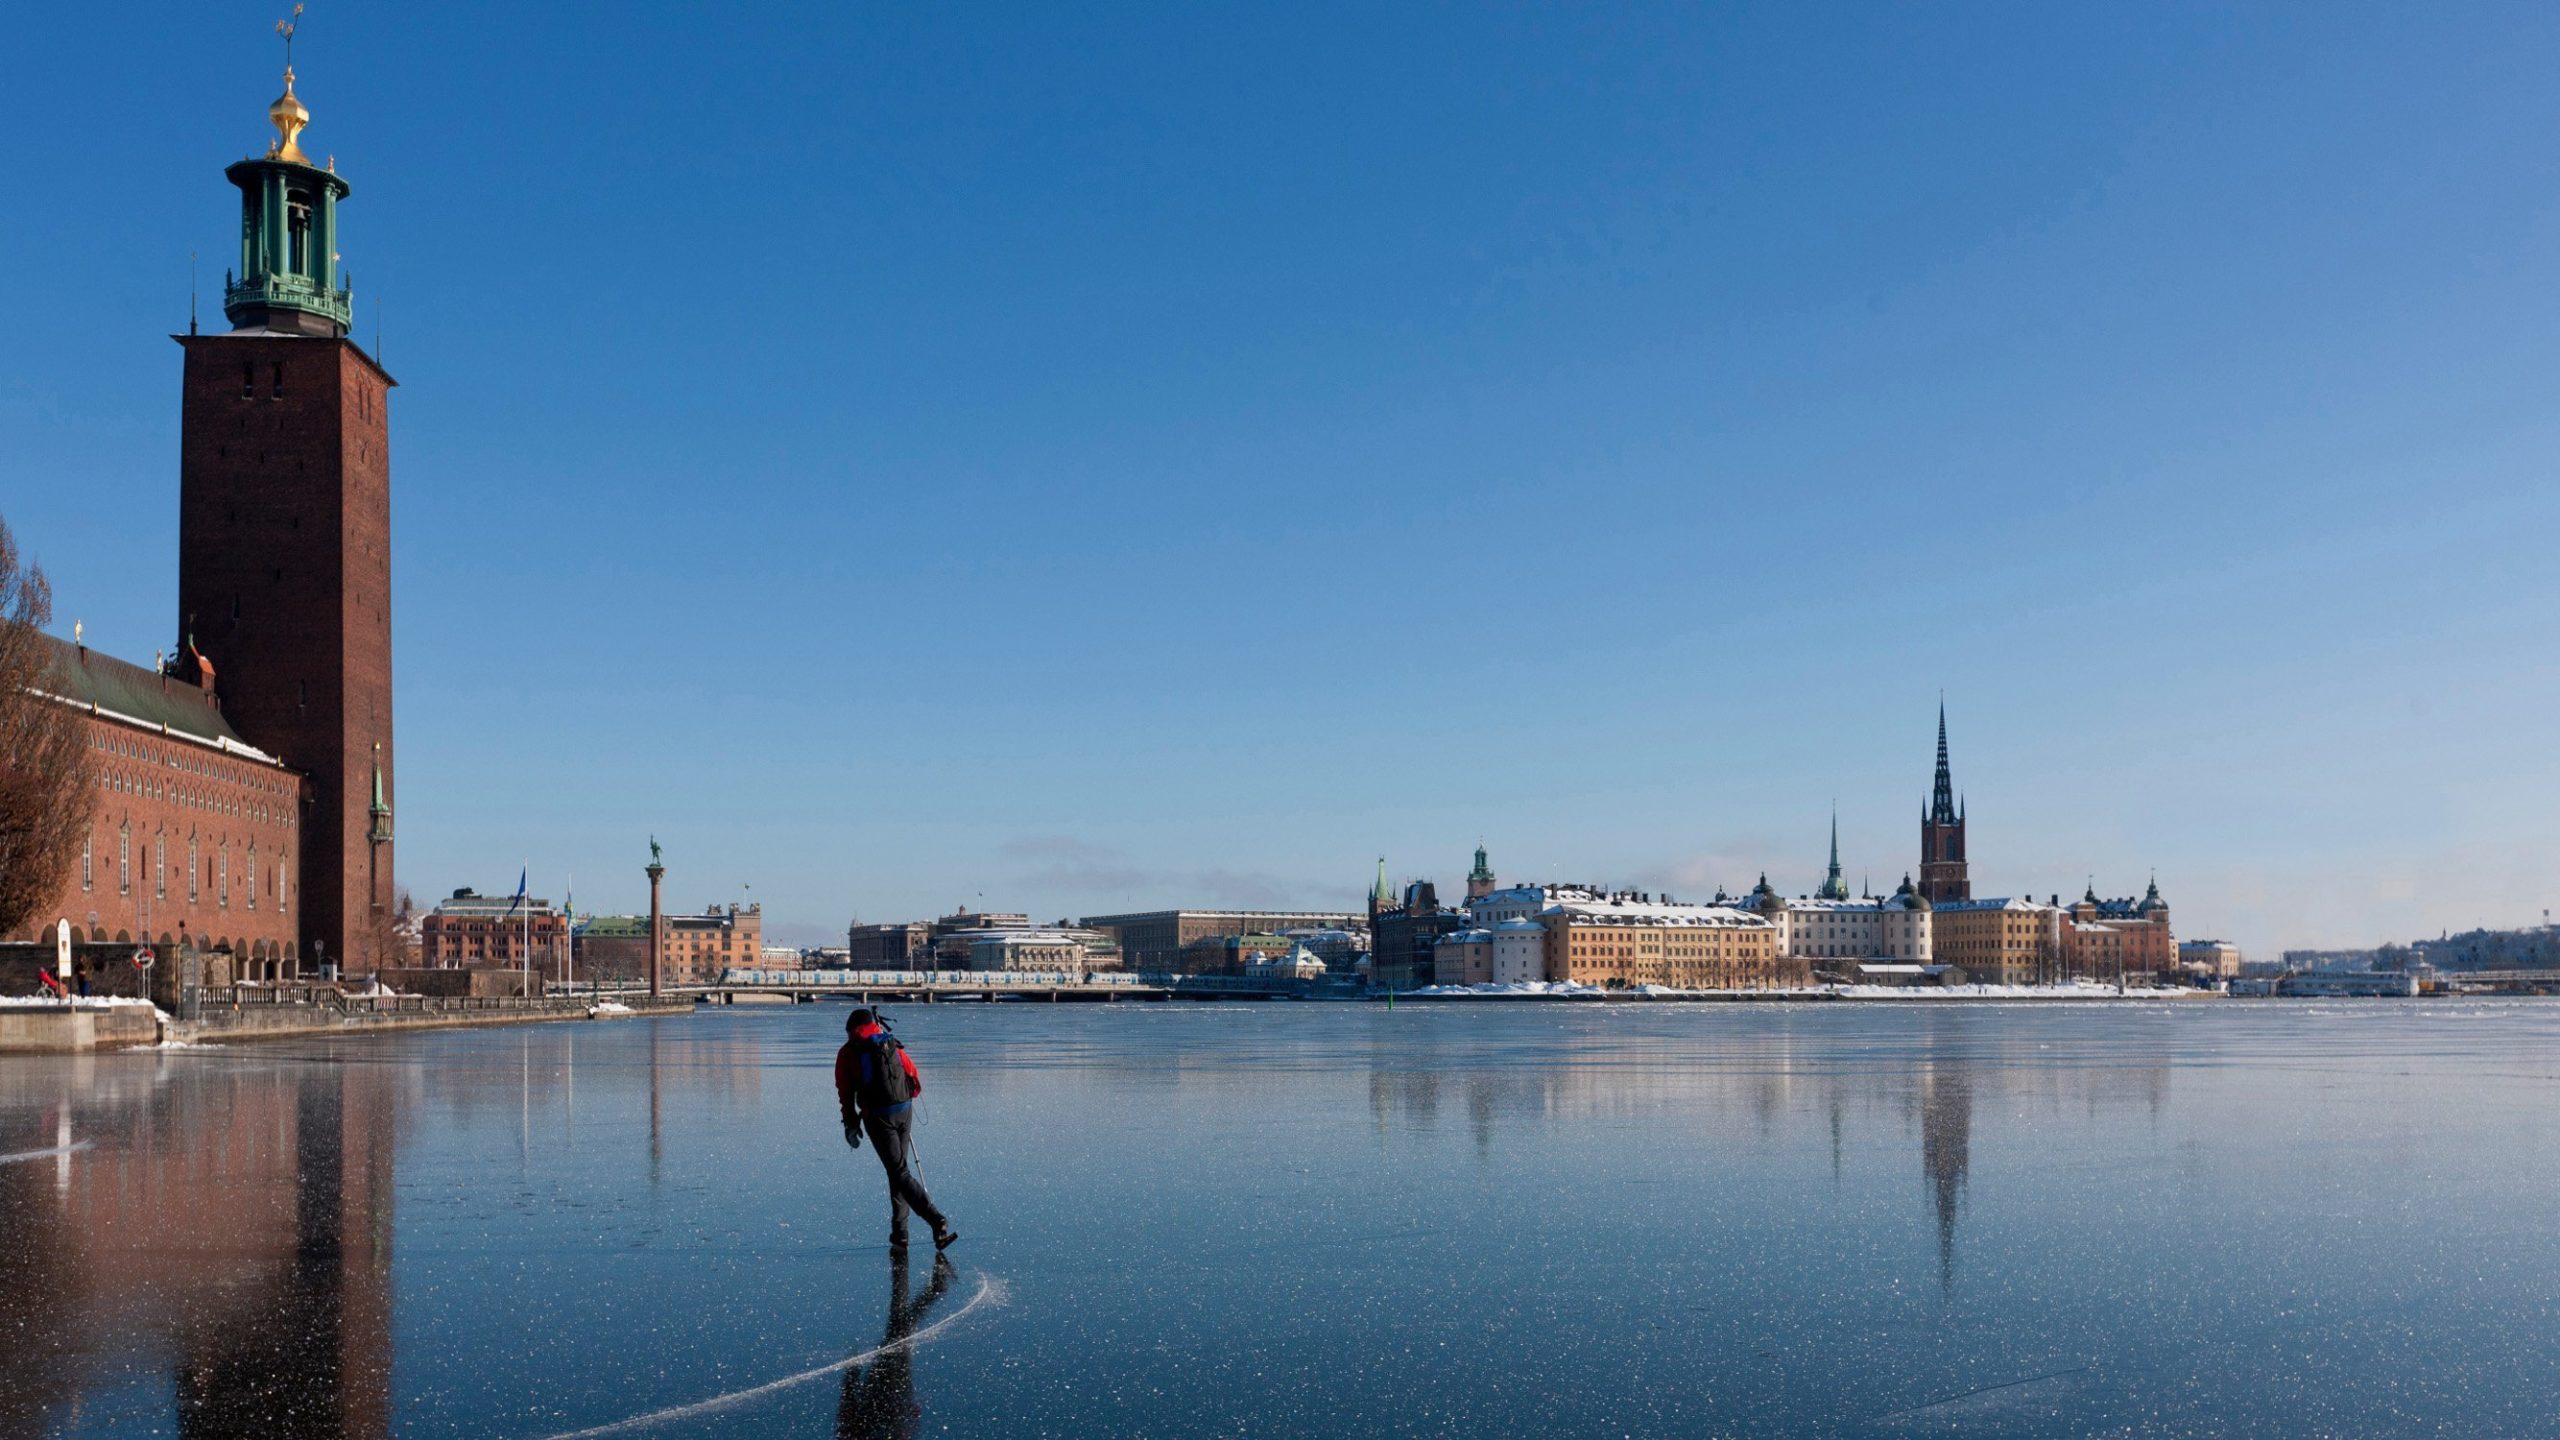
pixel 889 1084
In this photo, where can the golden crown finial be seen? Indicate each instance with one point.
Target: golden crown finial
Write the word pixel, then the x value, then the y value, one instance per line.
pixel 288 114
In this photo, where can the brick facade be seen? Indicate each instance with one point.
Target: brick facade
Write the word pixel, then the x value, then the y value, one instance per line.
pixel 284 582
pixel 194 835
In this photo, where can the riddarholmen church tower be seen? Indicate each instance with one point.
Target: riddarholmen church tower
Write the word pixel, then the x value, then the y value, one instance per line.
pixel 284 529
pixel 1942 864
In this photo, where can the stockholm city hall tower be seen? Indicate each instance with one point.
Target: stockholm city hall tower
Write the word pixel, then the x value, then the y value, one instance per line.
pixel 284 530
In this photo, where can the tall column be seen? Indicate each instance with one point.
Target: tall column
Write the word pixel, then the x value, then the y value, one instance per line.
pixel 657 924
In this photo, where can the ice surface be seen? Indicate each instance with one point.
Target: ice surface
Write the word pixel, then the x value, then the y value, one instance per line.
pixel 1814 1219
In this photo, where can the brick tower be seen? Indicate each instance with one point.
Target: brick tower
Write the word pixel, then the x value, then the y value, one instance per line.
pixel 1942 865
pixel 284 532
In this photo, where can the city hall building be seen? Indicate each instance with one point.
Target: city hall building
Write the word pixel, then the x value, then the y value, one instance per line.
pixel 244 780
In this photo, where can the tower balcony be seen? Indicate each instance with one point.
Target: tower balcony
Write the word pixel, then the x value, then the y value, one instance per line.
pixel 278 301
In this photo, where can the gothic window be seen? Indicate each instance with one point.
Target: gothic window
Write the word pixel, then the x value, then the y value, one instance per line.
pixel 276 373
pixel 280 890
pixel 88 879
pixel 253 875
pixel 192 872
pixel 248 382
pixel 222 878
pixel 159 867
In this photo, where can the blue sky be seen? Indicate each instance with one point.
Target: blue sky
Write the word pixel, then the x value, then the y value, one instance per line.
pixel 1113 457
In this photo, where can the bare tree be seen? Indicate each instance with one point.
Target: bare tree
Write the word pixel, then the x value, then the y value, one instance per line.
pixel 389 939
pixel 45 795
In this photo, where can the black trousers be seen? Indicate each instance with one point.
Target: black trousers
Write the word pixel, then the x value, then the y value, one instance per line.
pixel 893 1140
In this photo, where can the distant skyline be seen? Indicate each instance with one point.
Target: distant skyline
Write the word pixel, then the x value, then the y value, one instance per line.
pixel 1078 461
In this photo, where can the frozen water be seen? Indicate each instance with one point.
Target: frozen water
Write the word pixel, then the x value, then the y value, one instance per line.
pixel 1961 1218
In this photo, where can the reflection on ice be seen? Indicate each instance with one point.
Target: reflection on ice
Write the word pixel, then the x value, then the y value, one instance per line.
pixel 1644 1220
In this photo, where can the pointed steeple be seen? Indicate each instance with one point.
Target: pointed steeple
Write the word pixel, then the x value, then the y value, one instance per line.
pixel 1833 887
pixel 1380 897
pixel 1942 792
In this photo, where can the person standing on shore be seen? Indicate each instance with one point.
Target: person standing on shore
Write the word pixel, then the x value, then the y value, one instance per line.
pixel 876 1089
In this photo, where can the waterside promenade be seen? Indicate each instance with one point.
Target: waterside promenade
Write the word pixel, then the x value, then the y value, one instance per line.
pixel 257 1012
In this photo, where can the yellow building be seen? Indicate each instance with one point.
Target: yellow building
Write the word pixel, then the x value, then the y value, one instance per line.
pixel 1998 942
pixel 1628 941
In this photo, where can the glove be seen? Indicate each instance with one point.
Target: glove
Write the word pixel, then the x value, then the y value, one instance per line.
pixel 853 1133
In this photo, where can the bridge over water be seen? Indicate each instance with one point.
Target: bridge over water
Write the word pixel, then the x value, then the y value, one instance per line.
pixel 928 986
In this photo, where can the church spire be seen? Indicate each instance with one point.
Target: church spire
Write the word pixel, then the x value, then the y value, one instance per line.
pixel 1833 887
pixel 1942 793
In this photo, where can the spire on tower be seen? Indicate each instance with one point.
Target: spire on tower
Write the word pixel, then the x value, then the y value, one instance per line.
pixel 1833 887
pixel 1942 793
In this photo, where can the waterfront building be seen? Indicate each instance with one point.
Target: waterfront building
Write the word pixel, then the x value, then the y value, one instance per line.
pixel 700 947
pixel 1403 936
pixel 1999 940
pixel 1463 957
pixel 2394 984
pixel 1298 964
pixel 904 946
pixel 195 836
pixel 2210 959
pixel 610 947
pixel 1523 902
pixel 2107 938
pixel 469 930
pixel 1629 941
pixel 1153 940
pixel 1232 954
pixel 1944 872
pixel 1031 948
pixel 278 784
pixel 1829 930
pixel 1339 948
pixel 1519 952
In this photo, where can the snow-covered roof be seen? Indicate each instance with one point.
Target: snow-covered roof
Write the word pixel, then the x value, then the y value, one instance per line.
pixel 1644 913
pixel 1873 904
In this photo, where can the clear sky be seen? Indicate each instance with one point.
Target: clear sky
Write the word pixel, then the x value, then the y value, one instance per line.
pixel 1074 458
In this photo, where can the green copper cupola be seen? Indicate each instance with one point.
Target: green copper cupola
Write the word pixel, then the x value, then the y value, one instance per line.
pixel 288 278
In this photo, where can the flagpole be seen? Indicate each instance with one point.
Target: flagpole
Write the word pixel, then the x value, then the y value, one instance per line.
pixel 524 898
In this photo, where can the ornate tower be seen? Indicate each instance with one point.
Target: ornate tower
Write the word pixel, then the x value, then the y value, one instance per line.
pixel 1942 863
pixel 1480 879
pixel 284 532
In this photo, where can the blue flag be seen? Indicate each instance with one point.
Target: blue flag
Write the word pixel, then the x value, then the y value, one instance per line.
pixel 512 905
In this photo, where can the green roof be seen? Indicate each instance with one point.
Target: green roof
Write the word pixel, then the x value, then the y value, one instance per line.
pixel 94 680
pixel 614 926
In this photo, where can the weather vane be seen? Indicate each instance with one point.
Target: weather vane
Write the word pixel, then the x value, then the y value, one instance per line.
pixel 285 28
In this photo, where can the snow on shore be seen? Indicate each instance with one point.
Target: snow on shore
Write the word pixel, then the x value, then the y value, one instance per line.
pixel 1572 990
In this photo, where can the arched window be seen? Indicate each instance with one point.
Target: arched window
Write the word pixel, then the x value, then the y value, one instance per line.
pixel 253 875
pixel 124 858
pixel 88 879
pixel 222 878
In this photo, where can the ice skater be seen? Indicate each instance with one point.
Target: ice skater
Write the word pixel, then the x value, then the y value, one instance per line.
pixel 876 1089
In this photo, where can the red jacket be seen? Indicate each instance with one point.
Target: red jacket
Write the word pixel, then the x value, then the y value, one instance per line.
pixel 853 1055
